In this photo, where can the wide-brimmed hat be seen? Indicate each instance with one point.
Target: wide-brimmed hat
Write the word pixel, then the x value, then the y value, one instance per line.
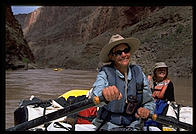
pixel 159 65
pixel 116 40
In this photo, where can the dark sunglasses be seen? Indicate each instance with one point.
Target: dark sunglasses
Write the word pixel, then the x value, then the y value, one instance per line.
pixel 161 69
pixel 119 52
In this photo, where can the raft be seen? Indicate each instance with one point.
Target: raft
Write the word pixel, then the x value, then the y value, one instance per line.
pixel 57 69
pixel 35 107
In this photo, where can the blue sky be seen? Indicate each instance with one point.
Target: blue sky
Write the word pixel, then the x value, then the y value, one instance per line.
pixel 23 9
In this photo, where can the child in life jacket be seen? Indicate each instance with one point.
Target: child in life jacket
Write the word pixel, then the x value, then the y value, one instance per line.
pixel 162 90
pixel 161 86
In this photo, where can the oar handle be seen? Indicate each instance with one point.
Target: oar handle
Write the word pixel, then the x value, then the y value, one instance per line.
pixel 97 100
pixel 153 116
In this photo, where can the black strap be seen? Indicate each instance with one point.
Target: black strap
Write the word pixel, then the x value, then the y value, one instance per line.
pixel 44 113
pixel 61 126
pixel 104 121
pixel 148 128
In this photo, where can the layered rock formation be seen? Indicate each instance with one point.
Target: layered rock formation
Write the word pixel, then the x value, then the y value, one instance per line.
pixel 72 37
pixel 17 49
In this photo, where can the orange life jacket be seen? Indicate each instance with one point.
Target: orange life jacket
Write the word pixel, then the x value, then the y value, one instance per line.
pixel 160 88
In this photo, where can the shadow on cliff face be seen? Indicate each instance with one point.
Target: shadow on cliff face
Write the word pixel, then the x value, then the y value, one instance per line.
pixel 16 46
pixel 165 34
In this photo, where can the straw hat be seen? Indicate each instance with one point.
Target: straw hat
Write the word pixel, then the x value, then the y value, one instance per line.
pixel 159 65
pixel 115 40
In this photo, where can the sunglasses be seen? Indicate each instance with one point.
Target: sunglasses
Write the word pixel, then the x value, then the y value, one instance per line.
pixel 161 69
pixel 119 52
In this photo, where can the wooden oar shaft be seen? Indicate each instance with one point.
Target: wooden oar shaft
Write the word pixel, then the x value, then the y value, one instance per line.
pixel 73 108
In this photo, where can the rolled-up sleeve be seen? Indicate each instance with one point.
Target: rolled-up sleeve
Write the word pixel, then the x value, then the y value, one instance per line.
pixel 100 83
pixel 148 100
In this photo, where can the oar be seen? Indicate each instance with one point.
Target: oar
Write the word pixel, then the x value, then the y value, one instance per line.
pixel 168 120
pixel 71 109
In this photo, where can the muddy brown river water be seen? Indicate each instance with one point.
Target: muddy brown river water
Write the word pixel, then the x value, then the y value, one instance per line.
pixel 49 84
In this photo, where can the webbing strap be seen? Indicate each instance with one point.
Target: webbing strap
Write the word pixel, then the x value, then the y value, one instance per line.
pixel 104 121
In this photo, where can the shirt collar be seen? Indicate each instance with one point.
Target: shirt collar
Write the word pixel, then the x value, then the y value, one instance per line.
pixel 122 76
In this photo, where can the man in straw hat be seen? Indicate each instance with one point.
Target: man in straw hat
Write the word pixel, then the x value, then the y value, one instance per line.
pixel 124 87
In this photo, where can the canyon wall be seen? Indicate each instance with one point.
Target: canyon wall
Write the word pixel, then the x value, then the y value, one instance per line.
pixel 73 36
pixel 16 47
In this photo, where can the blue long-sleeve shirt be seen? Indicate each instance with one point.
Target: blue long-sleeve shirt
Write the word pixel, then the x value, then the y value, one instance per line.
pixel 102 82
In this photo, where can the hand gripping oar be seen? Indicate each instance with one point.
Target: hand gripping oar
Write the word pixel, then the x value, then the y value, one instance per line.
pixel 71 109
pixel 168 120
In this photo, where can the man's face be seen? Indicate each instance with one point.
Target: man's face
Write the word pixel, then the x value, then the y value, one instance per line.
pixel 121 55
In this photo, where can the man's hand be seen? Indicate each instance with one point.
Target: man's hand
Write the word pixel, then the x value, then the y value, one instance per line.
pixel 142 113
pixel 111 93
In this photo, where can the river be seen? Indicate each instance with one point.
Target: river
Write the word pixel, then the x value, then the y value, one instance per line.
pixel 49 84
